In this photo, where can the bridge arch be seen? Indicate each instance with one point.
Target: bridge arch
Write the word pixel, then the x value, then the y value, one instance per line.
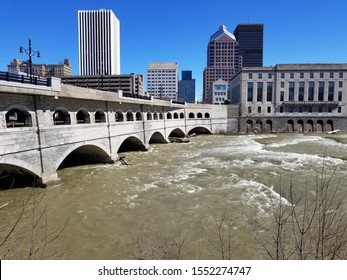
pixel 17 173
pixel 18 116
pixel 200 130
pixel 100 116
pixel 130 116
pixel 119 116
pixel 131 143
pixel 155 116
pixel 61 116
pixel 177 132
pixel 81 154
pixel 138 116
pixel 82 116
pixel 157 137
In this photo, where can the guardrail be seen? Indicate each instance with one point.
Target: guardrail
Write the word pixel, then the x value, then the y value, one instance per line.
pixel 23 78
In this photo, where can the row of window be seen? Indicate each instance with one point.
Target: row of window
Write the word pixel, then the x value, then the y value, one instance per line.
pixel 301 75
pixel 299 109
pixel 18 118
pixel 301 94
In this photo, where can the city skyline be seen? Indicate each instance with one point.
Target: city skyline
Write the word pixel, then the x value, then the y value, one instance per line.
pixel 295 32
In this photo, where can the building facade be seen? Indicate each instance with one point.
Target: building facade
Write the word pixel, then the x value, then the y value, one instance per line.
pixel 162 80
pixel 99 43
pixel 42 70
pixel 291 97
pixel 219 92
pixel 251 40
pixel 129 84
pixel 223 59
pixel 186 88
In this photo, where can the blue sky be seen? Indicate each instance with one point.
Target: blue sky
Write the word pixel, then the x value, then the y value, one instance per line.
pixel 297 31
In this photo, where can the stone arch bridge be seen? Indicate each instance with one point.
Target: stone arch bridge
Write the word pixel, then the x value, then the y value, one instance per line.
pixel 42 128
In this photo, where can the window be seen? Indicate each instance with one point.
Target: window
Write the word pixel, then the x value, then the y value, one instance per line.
pixel 249 110
pixel 311 75
pixel 250 92
pixel 269 92
pixel 340 75
pixel 301 91
pixel 282 75
pixel 331 91
pixel 291 91
pixel 269 75
pixel 320 109
pixel 339 109
pixel 260 76
pixel 259 92
pixel 340 84
pixel 292 75
pixel 321 75
pixel 340 95
pixel 310 91
pixel 269 109
pixel 282 96
pixel 331 75
pixel 321 91
pixel 250 76
pixel 301 75
pixel 282 84
pixel 259 110
pixel 310 109
pixel 220 87
pixel 281 109
pixel 300 109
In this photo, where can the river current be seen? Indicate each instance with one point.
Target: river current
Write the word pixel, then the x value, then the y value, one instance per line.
pixel 176 196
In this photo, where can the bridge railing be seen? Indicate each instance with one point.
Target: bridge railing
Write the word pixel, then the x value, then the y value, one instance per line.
pixel 23 78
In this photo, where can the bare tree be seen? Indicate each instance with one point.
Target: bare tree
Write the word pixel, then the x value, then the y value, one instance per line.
pixel 313 226
pixel 29 235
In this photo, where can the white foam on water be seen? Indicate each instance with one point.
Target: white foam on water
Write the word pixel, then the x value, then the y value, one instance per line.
pixel 260 196
pixel 131 201
pixel 189 188
pixel 297 140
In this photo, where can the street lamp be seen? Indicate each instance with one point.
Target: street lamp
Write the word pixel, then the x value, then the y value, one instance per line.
pixel 30 52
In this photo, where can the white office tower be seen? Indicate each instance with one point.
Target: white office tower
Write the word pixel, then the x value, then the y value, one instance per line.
pixel 99 43
pixel 162 80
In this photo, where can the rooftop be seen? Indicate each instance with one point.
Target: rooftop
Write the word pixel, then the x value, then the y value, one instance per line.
pixel 222 32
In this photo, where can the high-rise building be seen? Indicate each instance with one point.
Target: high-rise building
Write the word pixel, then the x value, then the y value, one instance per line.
pixel 99 43
pixel 186 87
pixel 250 38
pixel 162 80
pixel 223 59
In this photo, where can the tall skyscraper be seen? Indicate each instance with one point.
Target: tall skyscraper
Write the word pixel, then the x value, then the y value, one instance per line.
pixel 162 80
pixel 186 87
pixel 99 43
pixel 250 38
pixel 223 59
